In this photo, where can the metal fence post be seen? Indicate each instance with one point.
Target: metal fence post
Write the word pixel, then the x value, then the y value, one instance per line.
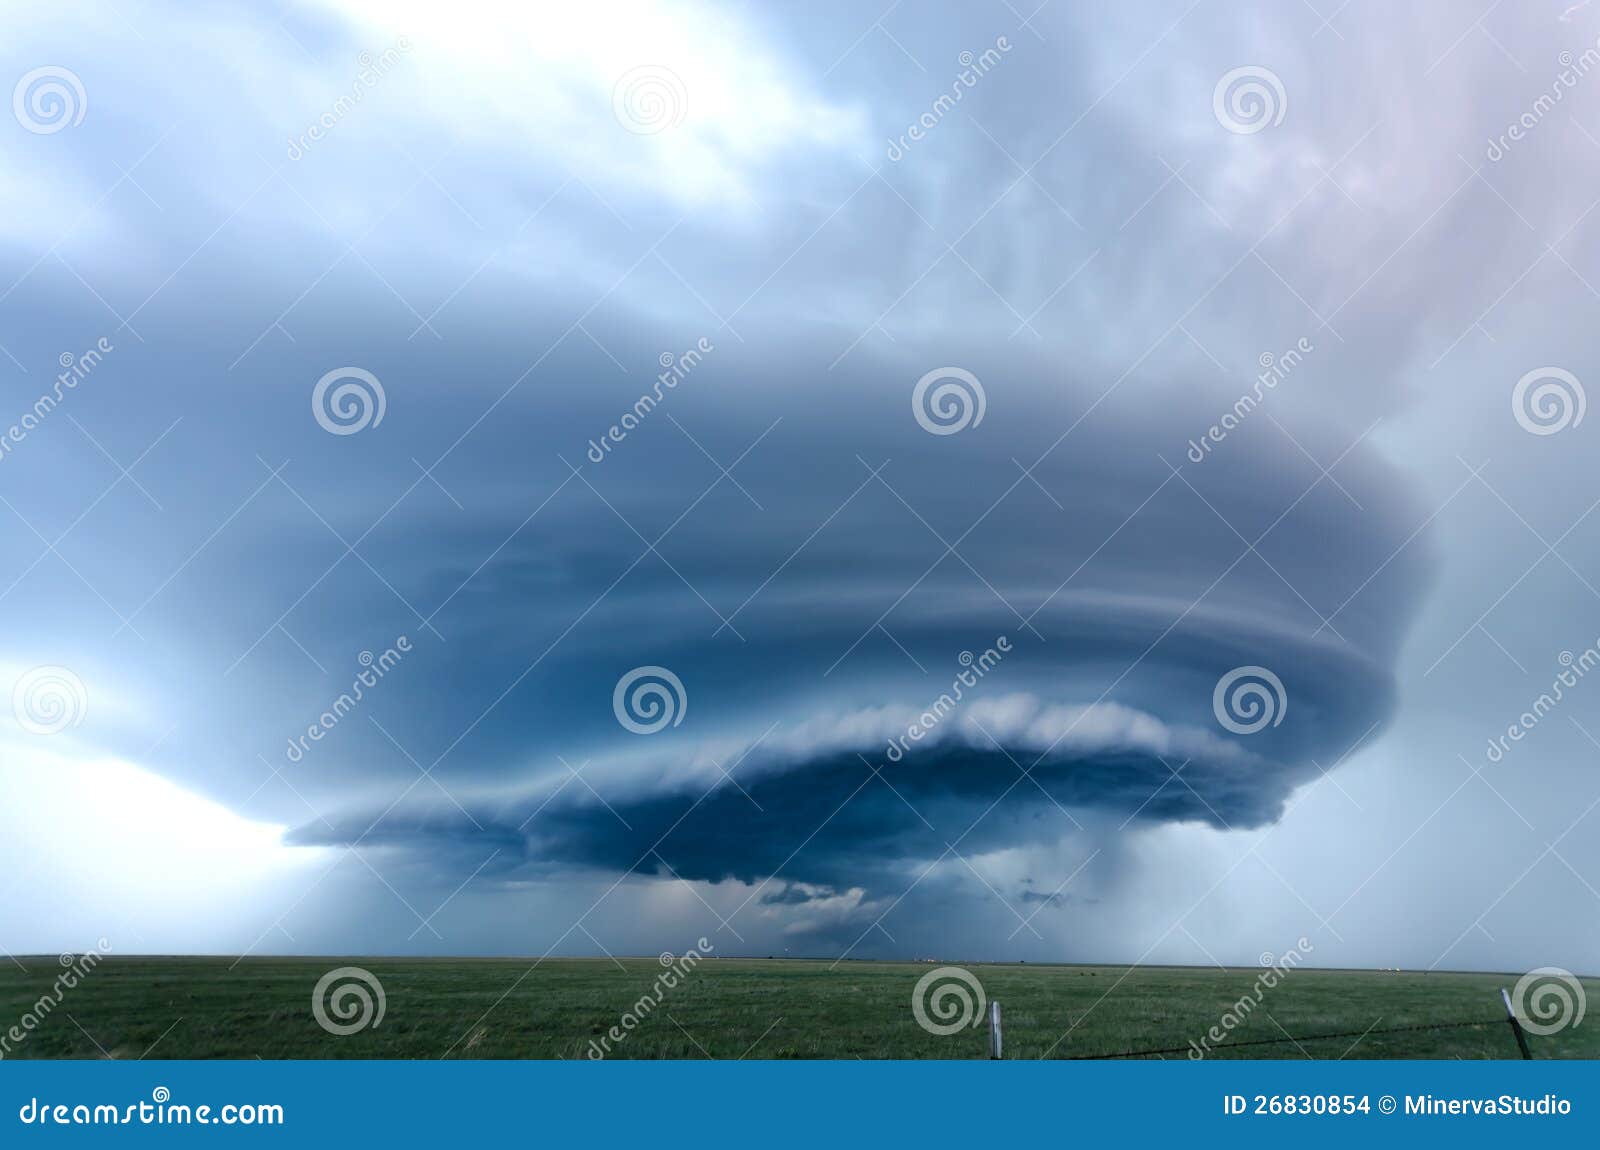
pixel 1516 1027
pixel 994 1030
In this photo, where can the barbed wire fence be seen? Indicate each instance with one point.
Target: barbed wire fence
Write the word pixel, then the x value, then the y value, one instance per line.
pixel 1510 1019
pixel 1296 1040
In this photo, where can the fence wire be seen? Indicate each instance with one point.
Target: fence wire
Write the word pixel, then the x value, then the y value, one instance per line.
pixel 1294 1039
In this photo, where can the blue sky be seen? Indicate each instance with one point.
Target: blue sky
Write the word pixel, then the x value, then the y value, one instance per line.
pixel 469 361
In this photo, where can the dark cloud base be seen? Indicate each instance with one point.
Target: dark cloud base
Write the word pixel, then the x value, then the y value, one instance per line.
pixel 848 821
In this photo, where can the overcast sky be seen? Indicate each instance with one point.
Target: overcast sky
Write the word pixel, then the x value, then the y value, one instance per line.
pixel 985 483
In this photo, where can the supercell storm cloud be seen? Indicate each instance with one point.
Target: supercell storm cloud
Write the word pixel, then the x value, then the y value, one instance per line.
pixel 1054 633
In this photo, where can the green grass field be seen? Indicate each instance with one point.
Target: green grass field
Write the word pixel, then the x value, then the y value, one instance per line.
pixel 729 1008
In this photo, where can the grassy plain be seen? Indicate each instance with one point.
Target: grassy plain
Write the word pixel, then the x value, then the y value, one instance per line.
pixel 132 1007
